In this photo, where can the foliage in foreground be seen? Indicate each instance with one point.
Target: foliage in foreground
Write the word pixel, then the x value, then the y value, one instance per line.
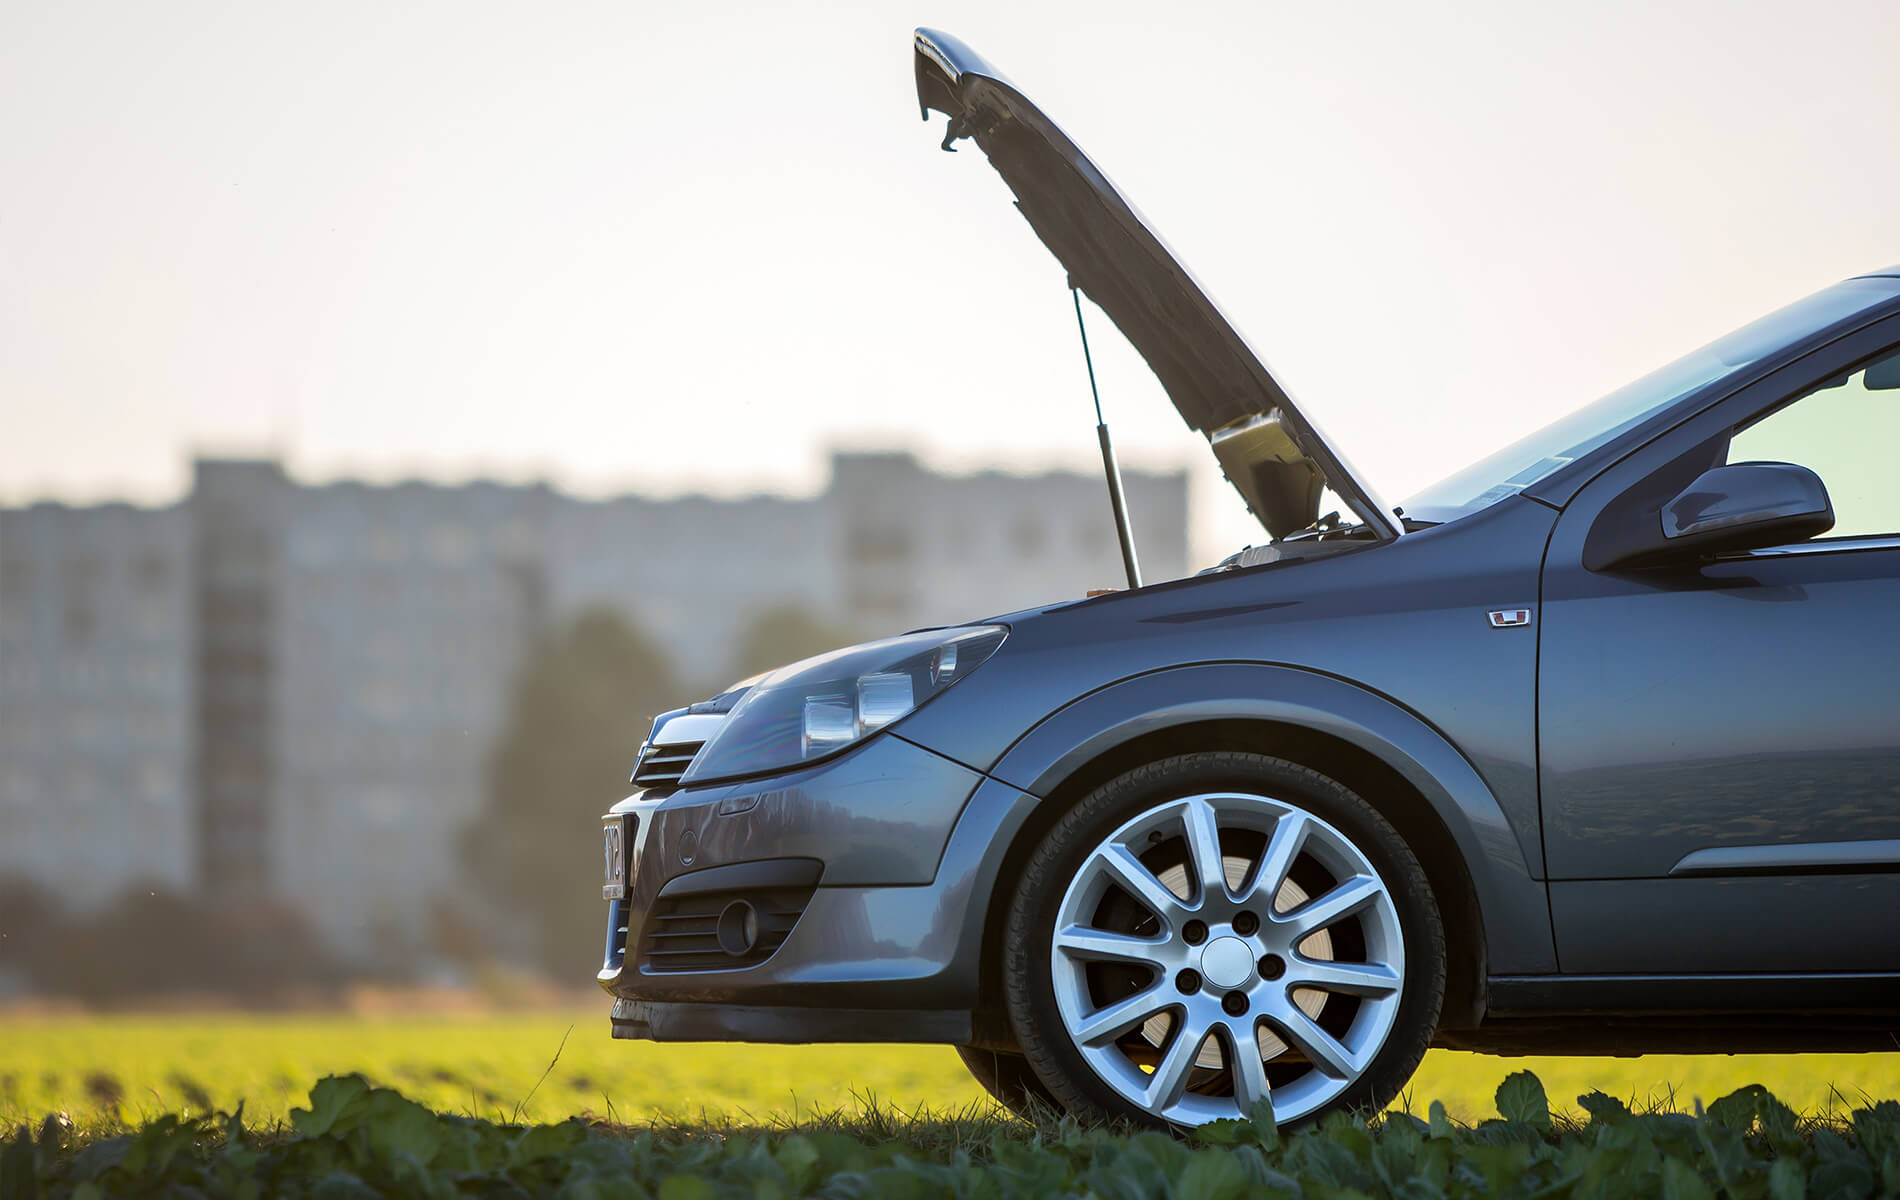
pixel 359 1140
pixel 111 1071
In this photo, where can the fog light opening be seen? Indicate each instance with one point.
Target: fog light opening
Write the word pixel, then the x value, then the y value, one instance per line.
pixel 738 928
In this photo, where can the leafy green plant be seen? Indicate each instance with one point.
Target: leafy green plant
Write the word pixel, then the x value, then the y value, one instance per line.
pixel 356 1139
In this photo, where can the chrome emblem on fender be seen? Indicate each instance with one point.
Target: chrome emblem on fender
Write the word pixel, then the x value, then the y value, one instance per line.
pixel 1509 618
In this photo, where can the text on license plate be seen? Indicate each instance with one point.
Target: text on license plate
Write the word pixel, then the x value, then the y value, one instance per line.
pixel 614 835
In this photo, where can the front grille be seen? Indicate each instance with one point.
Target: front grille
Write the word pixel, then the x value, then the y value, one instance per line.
pixel 684 933
pixel 662 763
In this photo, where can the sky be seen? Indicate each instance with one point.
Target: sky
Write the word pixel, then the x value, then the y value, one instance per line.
pixel 690 248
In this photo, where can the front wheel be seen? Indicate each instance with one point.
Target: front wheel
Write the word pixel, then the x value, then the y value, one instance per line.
pixel 1217 929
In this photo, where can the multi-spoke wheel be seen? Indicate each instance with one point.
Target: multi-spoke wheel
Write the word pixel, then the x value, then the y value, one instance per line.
pixel 1216 929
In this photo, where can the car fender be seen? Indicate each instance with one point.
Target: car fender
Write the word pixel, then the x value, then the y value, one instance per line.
pixel 1513 904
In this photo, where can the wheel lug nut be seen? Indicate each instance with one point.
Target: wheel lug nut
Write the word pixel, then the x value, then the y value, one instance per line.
pixel 1245 923
pixel 1188 982
pixel 1235 1003
pixel 1195 932
pixel 1272 966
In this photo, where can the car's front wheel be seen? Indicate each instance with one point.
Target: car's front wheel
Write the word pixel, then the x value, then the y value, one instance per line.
pixel 1215 929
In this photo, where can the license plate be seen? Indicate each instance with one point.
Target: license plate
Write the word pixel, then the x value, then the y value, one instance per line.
pixel 614 832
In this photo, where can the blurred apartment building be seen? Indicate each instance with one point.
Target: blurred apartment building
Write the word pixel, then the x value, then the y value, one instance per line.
pixel 273 689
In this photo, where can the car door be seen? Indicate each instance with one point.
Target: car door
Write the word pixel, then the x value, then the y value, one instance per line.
pixel 1719 740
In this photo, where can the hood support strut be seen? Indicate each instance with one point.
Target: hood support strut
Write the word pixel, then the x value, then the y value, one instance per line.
pixel 1110 467
pixel 1274 453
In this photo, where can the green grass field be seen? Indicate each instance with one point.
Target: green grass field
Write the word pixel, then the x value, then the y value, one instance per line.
pixel 98 1068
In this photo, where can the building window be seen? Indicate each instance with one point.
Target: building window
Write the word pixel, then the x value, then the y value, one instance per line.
pixel 150 572
pixel 81 623
pixel 387 546
pixel 152 617
pixel 871 545
pixel 514 537
pixel 81 787
pixel 451 544
pixel 156 784
pixel 1026 536
pixel 385 700
pixel 312 551
pixel 873 603
pixel 16 583
pixel 236 559
pixel 81 578
pixel 19 788
pixel 19 728
pixel 1096 539
pixel 958 536
pixel 383 806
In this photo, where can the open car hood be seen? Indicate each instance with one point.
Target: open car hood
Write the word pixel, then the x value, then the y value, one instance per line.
pixel 1271 451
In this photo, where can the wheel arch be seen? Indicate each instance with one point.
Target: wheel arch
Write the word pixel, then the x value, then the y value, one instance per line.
pixel 1397 763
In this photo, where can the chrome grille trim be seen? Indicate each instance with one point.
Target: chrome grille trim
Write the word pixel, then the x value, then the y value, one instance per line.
pixel 619 915
pixel 662 763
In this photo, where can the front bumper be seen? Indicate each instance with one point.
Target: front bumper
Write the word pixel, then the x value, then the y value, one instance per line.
pixel 865 879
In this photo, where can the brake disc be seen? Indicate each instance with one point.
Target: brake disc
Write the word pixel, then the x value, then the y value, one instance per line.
pixel 1318 946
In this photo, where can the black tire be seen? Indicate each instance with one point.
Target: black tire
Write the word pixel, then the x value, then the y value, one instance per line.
pixel 1029 990
pixel 1010 1082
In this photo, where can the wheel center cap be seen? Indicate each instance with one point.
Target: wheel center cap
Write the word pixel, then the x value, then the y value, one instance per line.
pixel 1227 962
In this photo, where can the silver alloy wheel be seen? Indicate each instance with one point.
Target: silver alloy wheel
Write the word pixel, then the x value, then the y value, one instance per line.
pixel 1234 961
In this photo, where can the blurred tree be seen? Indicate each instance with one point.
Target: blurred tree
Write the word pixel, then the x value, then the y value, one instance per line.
pixel 577 712
pixel 456 933
pixel 783 635
pixel 152 941
pixel 30 931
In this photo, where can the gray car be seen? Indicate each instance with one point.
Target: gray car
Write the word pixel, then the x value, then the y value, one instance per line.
pixel 1593 747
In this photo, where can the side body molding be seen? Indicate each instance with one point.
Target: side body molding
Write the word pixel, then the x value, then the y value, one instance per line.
pixel 1514 904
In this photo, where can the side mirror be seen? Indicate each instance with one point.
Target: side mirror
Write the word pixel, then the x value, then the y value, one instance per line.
pixel 1744 506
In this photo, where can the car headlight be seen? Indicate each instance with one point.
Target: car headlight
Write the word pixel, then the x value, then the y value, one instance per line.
pixel 815 708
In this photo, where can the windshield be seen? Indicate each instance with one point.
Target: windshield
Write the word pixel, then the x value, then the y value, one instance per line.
pixel 1523 463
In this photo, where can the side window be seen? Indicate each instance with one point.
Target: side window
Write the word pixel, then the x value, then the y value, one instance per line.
pixel 1847 431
